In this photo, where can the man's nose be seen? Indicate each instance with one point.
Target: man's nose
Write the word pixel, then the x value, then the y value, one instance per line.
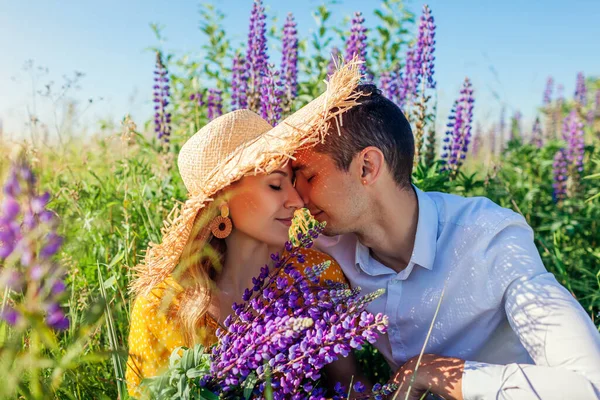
pixel 303 191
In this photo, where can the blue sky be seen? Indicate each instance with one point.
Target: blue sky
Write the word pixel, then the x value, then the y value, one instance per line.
pixel 508 48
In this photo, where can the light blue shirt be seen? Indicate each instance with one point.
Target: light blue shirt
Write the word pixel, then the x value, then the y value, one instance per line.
pixel 522 334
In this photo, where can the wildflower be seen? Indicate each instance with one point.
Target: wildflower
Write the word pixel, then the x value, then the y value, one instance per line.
pixel 28 242
pixel 294 332
pixel 289 61
pixel 581 90
pixel 239 84
pixel 356 44
pixel 559 171
pixel 270 96
pixel 548 91
pixel 256 56
pixel 214 104
pixel 458 135
pixel 536 134
pixel 162 118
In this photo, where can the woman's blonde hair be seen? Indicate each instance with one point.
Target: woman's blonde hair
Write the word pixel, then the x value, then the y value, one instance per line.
pixel 201 262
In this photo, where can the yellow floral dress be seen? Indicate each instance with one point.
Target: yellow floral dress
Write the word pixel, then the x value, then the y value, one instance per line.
pixel 155 333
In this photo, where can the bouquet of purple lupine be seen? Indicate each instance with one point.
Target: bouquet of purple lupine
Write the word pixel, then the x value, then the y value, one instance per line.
pixel 276 343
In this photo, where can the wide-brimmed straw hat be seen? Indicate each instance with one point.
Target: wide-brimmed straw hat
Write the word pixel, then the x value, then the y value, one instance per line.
pixel 235 145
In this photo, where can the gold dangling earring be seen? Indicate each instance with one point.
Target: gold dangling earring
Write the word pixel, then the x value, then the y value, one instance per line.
pixel 221 226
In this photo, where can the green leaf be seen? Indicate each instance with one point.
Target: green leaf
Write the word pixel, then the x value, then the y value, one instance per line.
pixel 249 384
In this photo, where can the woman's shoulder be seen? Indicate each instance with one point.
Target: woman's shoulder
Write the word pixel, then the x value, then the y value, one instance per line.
pixel 160 299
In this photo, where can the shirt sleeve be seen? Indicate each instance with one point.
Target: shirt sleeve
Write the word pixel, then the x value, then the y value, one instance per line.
pixel 552 326
pixel 153 336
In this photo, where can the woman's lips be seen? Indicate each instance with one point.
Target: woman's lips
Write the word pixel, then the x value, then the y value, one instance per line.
pixel 285 221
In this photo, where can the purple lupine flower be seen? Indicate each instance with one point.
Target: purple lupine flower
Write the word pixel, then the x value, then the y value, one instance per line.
pixel 560 173
pixel 548 91
pixel 239 84
pixel 162 118
pixel 290 329
pixel 356 44
pixel 597 105
pixel 424 58
pixel 289 61
pixel 271 91
pixel 388 83
pixel 28 242
pixel 198 99
pixel 574 135
pixel 334 60
pixel 256 57
pixel 408 79
pixel 590 117
pixel 214 104
pixel 458 135
pixel 536 134
pixel 581 90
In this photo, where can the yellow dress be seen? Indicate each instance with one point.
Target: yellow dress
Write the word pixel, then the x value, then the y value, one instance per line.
pixel 154 333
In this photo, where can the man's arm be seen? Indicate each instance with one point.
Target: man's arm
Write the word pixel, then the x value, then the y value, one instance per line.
pixel 552 326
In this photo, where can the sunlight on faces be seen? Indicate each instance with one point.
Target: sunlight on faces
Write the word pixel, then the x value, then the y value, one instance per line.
pixel 332 195
pixel 262 206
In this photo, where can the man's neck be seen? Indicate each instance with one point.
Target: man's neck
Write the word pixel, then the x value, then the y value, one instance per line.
pixel 390 233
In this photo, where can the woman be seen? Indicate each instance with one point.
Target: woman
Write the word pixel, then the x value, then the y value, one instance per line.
pixel 241 202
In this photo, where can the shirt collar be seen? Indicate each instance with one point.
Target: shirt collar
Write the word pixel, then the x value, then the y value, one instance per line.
pixel 427 231
pixel 425 242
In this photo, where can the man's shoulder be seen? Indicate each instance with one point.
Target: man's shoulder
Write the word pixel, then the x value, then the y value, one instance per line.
pixel 473 212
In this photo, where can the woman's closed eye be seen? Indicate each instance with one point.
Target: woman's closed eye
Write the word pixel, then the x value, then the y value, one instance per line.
pixel 275 187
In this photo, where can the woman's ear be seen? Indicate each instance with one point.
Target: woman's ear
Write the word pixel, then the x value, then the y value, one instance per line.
pixel 371 161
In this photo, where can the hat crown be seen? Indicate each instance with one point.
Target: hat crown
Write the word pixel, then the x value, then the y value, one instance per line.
pixel 208 149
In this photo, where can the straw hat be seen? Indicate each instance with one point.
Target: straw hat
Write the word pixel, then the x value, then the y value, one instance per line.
pixel 232 146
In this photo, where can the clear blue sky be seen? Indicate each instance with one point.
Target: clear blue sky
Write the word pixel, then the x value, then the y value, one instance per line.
pixel 508 48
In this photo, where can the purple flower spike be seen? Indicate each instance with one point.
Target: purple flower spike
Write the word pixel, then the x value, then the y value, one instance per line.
pixel 388 84
pixel 574 135
pixel 28 241
pixel 356 44
pixel 239 84
pixel 458 134
pixel 536 134
pixel 424 57
pixel 162 118
pixel 559 168
pixel 256 56
pixel 214 104
pixel 548 91
pixel 581 90
pixel 289 61
pixel 271 92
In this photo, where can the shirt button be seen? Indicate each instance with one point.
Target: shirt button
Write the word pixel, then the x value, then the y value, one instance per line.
pixel 395 280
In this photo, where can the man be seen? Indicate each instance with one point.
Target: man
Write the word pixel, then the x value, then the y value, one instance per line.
pixel 505 328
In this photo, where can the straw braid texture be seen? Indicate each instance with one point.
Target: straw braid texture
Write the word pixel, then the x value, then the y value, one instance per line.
pixel 232 146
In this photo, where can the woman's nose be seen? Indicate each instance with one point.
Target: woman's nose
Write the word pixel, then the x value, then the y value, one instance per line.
pixel 294 200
